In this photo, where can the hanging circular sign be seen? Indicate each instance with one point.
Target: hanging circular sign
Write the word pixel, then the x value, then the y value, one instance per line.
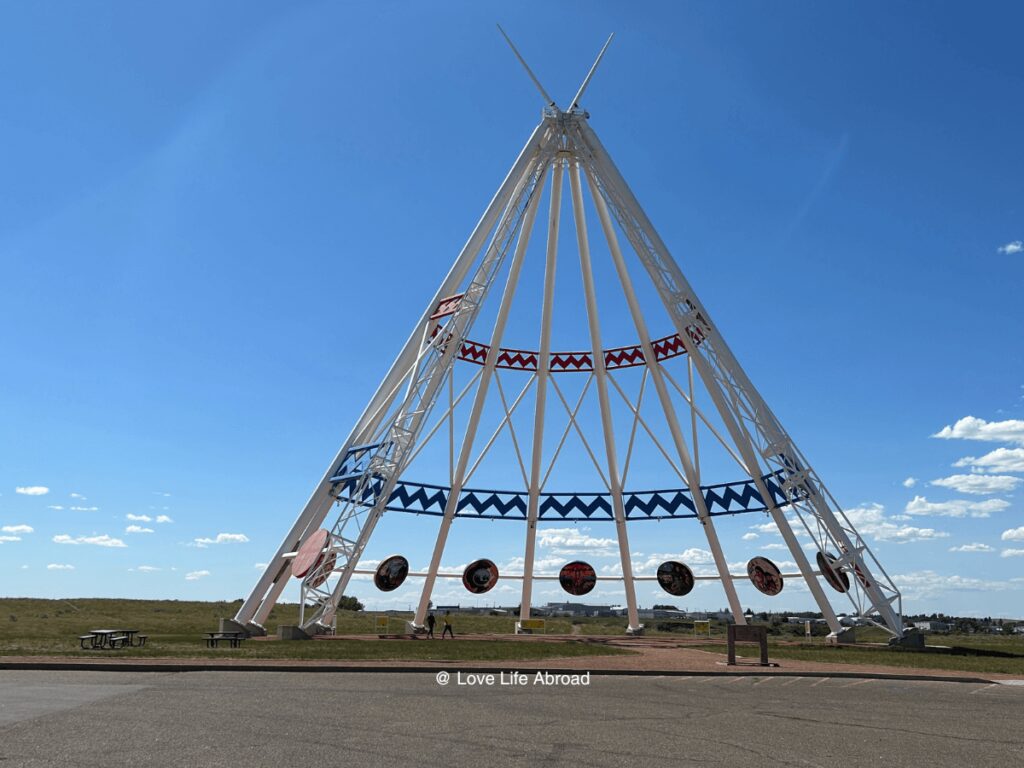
pixel 837 579
pixel 675 578
pixel 320 572
pixel 391 573
pixel 765 575
pixel 310 553
pixel 480 576
pixel 577 577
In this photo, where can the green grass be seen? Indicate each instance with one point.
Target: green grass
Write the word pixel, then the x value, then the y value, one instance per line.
pixel 965 653
pixel 31 627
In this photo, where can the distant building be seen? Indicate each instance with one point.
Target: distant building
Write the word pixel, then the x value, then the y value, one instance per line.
pixel 933 626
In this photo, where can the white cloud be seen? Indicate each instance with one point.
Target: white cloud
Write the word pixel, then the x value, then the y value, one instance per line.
pixel 138 529
pixel 55 506
pixel 1016 246
pixel 979 485
pixel 749 536
pixel 139 518
pixel 9 539
pixel 161 493
pixel 84 509
pixel 98 540
pixel 919 505
pixel 222 538
pixel 147 569
pixel 32 490
pixel 196 575
pixel 920 584
pixel 971 428
pixel 573 541
pixel 1014 534
pixel 261 566
pixel 60 567
pixel 999 460
pixel 870 520
pixel 775 545
pixel 1012 553
pixel 77 496
pixel 910 482
pixel 163 519
pixel 975 547
pixel 17 529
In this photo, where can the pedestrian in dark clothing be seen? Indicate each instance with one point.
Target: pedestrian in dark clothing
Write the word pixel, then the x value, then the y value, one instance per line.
pixel 431 621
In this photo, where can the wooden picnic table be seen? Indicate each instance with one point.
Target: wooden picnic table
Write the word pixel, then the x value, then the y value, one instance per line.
pixel 234 638
pixel 112 638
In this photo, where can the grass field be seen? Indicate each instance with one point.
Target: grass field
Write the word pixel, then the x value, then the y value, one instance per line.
pixel 30 627
pixel 967 653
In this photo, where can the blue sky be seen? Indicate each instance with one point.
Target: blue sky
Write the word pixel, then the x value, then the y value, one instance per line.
pixel 217 226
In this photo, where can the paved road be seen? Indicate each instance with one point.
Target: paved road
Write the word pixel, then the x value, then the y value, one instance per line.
pixel 356 719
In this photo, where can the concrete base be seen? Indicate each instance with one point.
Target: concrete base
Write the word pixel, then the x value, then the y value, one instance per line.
pixel 415 629
pixel 635 631
pixel 842 636
pixel 912 640
pixel 230 625
pixel 288 632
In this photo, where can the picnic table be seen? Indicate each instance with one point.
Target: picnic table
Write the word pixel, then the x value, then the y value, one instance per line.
pixel 234 638
pixel 112 638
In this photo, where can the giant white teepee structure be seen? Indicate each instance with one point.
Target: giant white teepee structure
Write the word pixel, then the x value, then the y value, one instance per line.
pixel 536 415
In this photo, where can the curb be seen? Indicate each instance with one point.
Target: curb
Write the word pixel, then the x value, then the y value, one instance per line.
pixel 172 666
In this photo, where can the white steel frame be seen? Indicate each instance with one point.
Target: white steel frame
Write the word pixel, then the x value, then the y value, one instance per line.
pixel 393 423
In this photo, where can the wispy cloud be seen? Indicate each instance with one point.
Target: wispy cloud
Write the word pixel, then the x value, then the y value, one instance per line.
pixel 196 575
pixel 9 539
pixel 102 540
pixel 55 506
pixel 139 518
pixel 750 536
pixel 32 490
pixel 979 485
pixel 1012 553
pixel 975 547
pixel 871 520
pixel 572 541
pixel 78 496
pixel 147 569
pixel 163 519
pixel 1014 534
pixel 971 428
pixel 221 538
pixel 84 509
pixel 919 505
pixel 138 529
pixel 920 584
pixel 999 460
pixel 60 567
pixel 18 529
pixel 910 482
pixel 1010 248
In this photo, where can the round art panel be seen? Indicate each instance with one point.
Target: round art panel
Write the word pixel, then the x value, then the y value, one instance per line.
pixel 391 573
pixel 310 553
pixel 577 577
pixel 326 568
pixel 480 576
pixel 765 575
pixel 837 579
pixel 675 578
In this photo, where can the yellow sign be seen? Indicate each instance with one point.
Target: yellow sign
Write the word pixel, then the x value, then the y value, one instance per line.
pixel 704 627
pixel 382 625
pixel 532 624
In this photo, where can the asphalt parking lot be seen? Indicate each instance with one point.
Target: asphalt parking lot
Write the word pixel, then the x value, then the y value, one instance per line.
pixel 53 718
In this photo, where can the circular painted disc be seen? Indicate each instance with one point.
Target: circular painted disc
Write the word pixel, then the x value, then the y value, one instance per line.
pixel 577 577
pixel 480 576
pixel 765 575
pixel 391 573
pixel 837 579
pixel 323 570
pixel 675 578
pixel 309 553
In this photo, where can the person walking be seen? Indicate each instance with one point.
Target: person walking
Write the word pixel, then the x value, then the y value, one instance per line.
pixel 431 621
pixel 447 625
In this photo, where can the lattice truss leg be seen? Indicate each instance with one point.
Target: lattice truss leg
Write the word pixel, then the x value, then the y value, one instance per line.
pixel 607 412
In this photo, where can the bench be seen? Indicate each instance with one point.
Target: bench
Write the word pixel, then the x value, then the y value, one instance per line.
pixel 118 641
pixel 234 638
pixel 92 641
pixel 141 640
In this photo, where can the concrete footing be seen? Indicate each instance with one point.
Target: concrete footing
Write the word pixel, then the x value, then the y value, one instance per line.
pixel 635 631
pixel 912 640
pixel 230 625
pixel 289 632
pixel 842 636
